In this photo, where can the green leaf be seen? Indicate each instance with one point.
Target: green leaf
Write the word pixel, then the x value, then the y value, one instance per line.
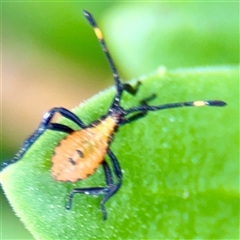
pixel 180 168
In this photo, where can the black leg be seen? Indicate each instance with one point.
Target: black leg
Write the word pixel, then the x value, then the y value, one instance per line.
pixel 130 89
pixel 133 118
pixel 107 191
pixel 108 174
pixel 89 191
pixel 59 127
pixel 140 114
pixel 44 125
pixel 67 114
pixel 94 190
pixel 146 100
pixel 113 188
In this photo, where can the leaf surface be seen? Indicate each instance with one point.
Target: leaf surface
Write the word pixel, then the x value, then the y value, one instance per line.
pixel 180 167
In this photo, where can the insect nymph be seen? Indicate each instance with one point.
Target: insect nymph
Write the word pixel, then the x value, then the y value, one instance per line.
pixel 82 151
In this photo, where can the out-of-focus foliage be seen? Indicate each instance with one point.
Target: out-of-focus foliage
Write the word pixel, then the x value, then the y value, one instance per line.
pixel 144 36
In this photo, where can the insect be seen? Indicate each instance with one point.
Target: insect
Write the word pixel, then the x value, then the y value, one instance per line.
pixel 82 151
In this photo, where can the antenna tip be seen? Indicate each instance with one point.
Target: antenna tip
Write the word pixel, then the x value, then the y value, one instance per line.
pixel 86 13
pixel 89 17
pixel 216 103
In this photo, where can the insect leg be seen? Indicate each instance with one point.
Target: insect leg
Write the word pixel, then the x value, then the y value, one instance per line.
pixel 146 100
pixel 60 127
pixel 140 114
pixel 44 125
pixel 67 114
pixel 130 89
pixel 87 191
pixel 112 188
pixel 108 173
pixel 94 190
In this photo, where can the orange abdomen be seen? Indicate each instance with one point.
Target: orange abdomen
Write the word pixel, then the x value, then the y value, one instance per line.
pixel 80 153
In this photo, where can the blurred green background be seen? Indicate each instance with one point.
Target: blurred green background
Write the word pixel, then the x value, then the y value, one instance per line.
pixel 50 57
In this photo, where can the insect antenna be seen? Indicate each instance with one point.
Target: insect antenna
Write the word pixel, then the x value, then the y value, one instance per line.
pixel 145 108
pixel 98 32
